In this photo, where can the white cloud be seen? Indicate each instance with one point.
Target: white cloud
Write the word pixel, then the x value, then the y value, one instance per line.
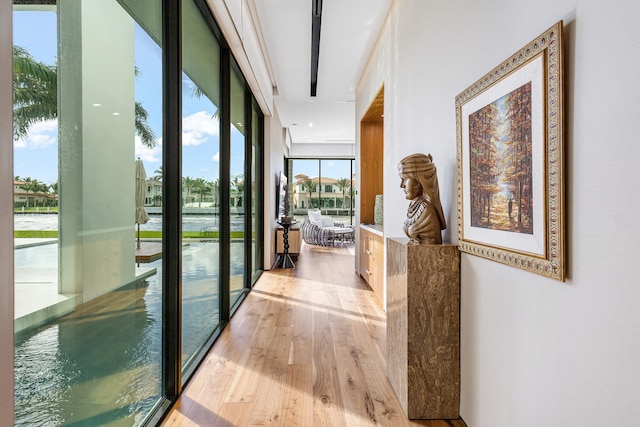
pixel 41 134
pixel 216 157
pixel 151 155
pixel 198 127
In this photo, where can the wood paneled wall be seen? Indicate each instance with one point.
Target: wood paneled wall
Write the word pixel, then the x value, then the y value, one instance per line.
pixel 371 157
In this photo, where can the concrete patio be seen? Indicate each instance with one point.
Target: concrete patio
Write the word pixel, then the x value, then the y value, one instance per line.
pixel 37 300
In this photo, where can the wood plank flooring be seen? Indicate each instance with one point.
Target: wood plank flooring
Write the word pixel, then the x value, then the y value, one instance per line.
pixel 306 348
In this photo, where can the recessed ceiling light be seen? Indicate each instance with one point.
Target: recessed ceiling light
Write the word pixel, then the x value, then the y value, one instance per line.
pixel 310 124
pixel 116 114
pixel 96 105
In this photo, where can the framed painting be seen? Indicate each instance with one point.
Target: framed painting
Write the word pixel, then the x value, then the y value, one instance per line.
pixel 510 160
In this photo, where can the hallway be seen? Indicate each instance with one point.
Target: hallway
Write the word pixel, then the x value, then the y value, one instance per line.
pixel 306 348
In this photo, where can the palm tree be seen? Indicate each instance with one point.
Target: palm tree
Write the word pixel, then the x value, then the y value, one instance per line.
pixel 158 174
pixel 215 185
pixel 35 97
pixel 240 187
pixel 43 189
pixel 237 187
pixel 310 185
pixel 30 185
pixel 144 131
pixel 343 184
pixel 198 93
pixel 54 190
pixel 188 183
pixel 35 92
pixel 200 186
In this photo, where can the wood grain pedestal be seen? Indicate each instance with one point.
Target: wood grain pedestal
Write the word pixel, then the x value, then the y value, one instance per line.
pixel 423 328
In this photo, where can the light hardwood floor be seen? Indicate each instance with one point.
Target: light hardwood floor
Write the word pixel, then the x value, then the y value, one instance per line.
pixel 306 348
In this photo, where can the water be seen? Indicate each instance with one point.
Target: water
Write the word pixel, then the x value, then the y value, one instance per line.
pixel 100 365
pixel 346 220
pixel 189 222
pixel 45 256
pixel 35 222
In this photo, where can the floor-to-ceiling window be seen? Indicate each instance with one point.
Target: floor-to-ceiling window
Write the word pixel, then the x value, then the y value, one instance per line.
pixel 325 184
pixel 302 179
pixel 200 182
pixel 88 111
pixel 256 192
pixel 93 218
pixel 238 187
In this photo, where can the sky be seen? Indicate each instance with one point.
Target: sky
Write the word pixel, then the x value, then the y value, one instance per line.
pixel 36 155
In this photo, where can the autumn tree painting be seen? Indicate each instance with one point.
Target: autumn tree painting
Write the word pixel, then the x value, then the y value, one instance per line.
pixel 500 163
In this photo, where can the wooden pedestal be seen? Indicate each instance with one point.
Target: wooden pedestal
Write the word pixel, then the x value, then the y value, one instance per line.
pixel 294 241
pixel 423 328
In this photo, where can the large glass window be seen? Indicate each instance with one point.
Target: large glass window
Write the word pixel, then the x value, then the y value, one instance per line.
pixel 256 193
pixel 336 184
pixel 304 177
pixel 200 182
pixel 88 292
pixel 325 184
pixel 237 195
pixel 94 204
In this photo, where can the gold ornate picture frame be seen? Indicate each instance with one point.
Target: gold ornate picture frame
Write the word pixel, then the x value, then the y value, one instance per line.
pixel 509 127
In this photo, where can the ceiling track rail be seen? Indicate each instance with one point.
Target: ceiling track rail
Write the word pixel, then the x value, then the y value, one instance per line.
pixel 316 21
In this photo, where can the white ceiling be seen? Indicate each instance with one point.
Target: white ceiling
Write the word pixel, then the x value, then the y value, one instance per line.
pixel 348 32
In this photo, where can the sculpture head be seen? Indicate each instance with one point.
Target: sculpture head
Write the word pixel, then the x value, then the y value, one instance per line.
pixel 419 180
pixel 411 186
pixel 418 177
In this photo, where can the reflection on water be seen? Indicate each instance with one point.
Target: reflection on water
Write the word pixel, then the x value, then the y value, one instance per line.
pixel 35 222
pixel 39 375
pixel 101 364
pixel 189 222
pixel 45 256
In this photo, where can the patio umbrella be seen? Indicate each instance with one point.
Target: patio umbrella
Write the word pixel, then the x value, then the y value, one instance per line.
pixel 141 189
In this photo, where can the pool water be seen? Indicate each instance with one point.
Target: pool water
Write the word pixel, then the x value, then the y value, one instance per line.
pixel 101 364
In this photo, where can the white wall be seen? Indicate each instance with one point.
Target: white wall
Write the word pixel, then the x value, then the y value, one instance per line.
pixel 274 152
pixel 6 217
pixel 322 150
pixel 96 150
pixel 534 351
pixel 239 29
pixel 236 23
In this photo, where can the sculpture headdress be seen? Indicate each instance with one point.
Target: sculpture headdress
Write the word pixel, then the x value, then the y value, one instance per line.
pixel 421 167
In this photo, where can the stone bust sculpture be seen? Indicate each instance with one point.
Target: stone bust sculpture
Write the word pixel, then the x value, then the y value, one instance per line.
pixel 425 218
